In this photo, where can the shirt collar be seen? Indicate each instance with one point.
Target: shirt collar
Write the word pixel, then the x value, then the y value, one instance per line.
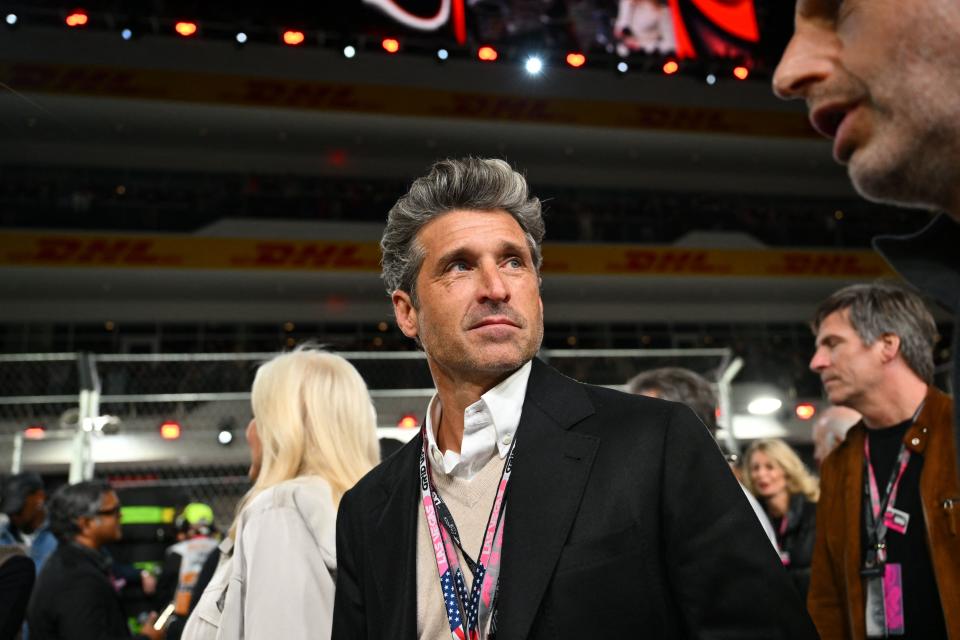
pixel 489 425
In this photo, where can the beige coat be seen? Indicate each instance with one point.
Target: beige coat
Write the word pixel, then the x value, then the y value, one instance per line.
pixel 277 581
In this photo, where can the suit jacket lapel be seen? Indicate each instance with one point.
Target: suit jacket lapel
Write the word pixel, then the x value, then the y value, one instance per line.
pixel 394 545
pixel 551 467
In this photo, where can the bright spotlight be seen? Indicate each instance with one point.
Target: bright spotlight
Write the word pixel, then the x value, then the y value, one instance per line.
pixel 126 34
pixel 741 72
pixel 711 79
pixel 225 437
pixel 11 19
pixel 670 67
pixel 805 411
pixel 533 65
pixel 442 54
pixel 241 37
pixel 349 51
pixel 623 67
pixel 764 405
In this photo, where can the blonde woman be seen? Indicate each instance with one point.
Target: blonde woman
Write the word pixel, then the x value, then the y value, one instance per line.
pixel 312 436
pixel 777 477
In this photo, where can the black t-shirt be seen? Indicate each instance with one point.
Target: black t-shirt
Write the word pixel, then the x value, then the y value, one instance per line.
pixel 923 614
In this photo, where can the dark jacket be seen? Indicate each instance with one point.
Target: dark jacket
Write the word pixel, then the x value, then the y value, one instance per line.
pixel 17 574
pixel 622 518
pixel 836 599
pixel 798 540
pixel 74 598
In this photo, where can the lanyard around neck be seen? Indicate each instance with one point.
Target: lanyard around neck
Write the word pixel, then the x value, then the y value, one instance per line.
pixel 878 506
pixel 467 613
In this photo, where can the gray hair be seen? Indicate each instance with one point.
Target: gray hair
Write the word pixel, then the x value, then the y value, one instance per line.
pixel 679 385
pixel 472 184
pixel 74 501
pixel 880 308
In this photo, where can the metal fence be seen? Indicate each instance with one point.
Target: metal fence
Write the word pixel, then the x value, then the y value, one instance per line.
pixel 101 414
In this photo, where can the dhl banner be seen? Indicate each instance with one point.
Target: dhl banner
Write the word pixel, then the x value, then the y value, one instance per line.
pixel 187 252
pixel 194 86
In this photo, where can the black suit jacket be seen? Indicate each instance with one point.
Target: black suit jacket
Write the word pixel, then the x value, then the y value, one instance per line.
pixel 622 517
pixel 74 599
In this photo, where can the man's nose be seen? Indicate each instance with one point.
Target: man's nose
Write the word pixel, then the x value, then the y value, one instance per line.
pixel 810 58
pixel 819 361
pixel 493 286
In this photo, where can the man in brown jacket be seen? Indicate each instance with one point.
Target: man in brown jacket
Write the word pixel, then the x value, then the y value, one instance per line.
pixel 887 555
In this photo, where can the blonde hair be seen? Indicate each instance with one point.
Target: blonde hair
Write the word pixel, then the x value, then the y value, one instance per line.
pixel 313 416
pixel 799 480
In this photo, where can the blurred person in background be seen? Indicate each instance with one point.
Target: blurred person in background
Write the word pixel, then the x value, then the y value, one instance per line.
pixel 75 597
pixel 887 553
pixel 17 576
pixel 830 429
pixel 777 476
pixel 312 436
pixel 24 515
pixel 183 562
pixel 690 388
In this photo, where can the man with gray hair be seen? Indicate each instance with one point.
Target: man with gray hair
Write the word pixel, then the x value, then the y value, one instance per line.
pixel 75 597
pixel 530 505
pixel 886 560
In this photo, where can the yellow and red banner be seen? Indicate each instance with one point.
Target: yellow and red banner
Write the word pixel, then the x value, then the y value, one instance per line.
pixel 189 252
pixel 211 88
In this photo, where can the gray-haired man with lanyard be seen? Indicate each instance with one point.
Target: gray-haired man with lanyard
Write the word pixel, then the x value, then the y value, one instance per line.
pixel 530 505
pixel 886 560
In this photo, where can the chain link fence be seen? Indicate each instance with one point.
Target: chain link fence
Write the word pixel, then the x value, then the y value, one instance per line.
pixel 102 414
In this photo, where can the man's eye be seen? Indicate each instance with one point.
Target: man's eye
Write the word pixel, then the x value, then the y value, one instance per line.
pixel 515 263
pixel 458 266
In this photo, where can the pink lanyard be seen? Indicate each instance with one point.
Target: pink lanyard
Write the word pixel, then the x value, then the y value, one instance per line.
pixel 878 525
pixel 467 614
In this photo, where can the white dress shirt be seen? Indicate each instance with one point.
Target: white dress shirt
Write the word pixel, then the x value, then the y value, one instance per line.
pixel 489 425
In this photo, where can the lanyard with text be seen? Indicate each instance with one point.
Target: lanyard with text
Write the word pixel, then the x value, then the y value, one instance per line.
pixel 781 532
pixel 883 586
pixel 467 614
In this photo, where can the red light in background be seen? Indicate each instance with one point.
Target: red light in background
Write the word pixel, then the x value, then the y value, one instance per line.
pixel 170 430
pixel 805 410
pixel 185 29
pixel 77 18
pixel 391 45
pixel 670 67
pixel 741 72
pixel 576 60
pixel 408 421
pixel 293 38
pixel 35 432
pixel 487 54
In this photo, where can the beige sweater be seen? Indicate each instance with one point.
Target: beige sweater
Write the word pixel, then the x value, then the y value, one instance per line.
pixel 469 502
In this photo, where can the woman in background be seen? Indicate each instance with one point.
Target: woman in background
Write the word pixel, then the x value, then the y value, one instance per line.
pixel 777 477
pixel 312 436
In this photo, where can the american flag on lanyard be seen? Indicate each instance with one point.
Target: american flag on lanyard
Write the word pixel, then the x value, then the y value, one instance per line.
pixel 453 606
pixel 473 606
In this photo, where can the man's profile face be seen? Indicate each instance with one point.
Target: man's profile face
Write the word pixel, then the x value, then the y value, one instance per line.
pixel 34 511
pixel 479 312
pixel 104 526
pixel 879 77
pixel 848 368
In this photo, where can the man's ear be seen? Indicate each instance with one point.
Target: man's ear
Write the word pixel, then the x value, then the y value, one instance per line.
pixel 405 313
pixel 84 525
pixel 889 346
